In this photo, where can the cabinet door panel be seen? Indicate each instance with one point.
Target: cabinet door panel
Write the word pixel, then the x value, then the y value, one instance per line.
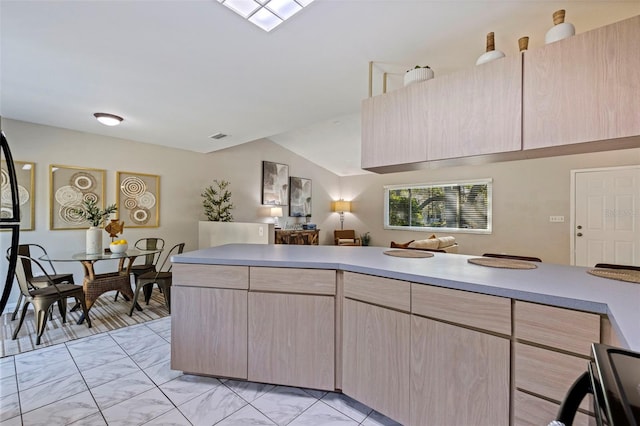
pixel 547 373
pixel 458 376
pixel 394 127
pixel 547 325
pixel 376 358
pixel 476 111
pixel 531 411
pixel 291 340
pixel 209 331
pixel 584 88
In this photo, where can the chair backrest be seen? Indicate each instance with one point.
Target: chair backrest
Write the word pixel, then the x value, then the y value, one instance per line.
pixel 614 266
pixel 344 234
pixel 177 249
pixel 25 251
pixel 24 263
pixel 513 256
pixel 150 244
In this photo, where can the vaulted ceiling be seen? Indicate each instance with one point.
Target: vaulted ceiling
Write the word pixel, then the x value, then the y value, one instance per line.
pixel 180 71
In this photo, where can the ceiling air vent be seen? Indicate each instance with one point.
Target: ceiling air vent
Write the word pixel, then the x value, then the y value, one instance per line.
pixel 218 136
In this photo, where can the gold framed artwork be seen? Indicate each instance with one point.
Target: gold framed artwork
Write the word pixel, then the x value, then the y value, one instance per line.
pixel 25 172
pixel 69 186
pixel 138 199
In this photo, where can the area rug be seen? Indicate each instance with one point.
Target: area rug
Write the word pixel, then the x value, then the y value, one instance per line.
pixel 105 314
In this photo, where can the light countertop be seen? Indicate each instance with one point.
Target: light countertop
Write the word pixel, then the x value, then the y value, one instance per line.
pixel 557 285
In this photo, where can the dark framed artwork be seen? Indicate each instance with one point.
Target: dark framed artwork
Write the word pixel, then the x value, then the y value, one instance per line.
pixel 275 183
pixel 26 193
pixel 69 186
pixel 138 199
pixel 299 197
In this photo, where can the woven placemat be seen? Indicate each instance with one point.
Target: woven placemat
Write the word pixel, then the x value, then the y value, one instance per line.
pixel 495 262
pixel 408 253
pixel 617 274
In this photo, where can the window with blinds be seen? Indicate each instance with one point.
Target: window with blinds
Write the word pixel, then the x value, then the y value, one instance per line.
pixel 443 207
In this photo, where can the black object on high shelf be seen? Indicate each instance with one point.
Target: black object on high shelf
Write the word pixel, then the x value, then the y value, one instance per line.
pixel 10 218
pixel 613 378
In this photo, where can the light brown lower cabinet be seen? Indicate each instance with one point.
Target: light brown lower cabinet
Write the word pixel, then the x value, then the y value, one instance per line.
pixel 209 331
pixel 547 373
pixel 529 410
pixel 376 358
pixel 458 376
pixel 291 339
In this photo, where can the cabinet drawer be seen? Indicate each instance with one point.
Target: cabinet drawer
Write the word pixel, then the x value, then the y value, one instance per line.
pixel 529 410
pixel 213 276
pixel 462 307
pixel 565 329
pixel 547 373
pixel 293 280
pixel 386 292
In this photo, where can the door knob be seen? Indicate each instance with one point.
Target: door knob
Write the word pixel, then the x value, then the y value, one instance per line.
pixel 579 226
pixel 579 234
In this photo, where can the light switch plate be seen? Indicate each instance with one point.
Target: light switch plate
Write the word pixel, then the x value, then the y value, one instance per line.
pixel 556 218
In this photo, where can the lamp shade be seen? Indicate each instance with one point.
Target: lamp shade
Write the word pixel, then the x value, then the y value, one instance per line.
pixel 276 211
pixel 342 206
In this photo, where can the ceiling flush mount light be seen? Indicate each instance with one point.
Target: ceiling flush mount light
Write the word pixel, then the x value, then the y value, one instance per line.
pixel 266 14
pixel 108 119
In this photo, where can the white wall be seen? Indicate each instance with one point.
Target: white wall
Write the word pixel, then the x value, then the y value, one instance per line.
pixel 183 176
pixel 525 194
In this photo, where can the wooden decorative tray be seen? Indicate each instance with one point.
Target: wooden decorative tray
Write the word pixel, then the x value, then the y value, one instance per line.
pixel 495 262
pixel 408 253
pixel 617 274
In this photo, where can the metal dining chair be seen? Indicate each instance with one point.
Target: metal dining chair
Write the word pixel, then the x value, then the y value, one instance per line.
pixel 43 298
pixel 513 256
pixel 614 266
pixel 37 281
pixel 150 260
pixel 162 278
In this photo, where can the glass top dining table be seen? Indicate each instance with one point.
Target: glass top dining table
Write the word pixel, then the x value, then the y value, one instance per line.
pixel 94 284
pixel 69 256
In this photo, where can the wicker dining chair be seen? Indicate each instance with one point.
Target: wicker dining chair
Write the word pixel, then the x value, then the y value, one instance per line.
pixel 162 278
pixel 44 298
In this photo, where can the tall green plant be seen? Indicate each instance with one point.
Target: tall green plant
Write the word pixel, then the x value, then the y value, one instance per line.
pixel 217 202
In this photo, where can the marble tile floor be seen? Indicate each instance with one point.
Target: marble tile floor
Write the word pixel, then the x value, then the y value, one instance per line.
pixel 123 377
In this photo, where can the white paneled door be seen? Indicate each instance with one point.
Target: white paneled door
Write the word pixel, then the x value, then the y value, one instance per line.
pixel 606 222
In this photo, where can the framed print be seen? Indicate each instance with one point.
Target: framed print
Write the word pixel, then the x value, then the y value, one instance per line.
pixel 299 197
pixel 26 193
pixel 138 199
pixel 275 183
pixel 69 186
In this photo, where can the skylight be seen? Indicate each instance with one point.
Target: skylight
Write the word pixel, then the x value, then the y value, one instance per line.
pixel 266 14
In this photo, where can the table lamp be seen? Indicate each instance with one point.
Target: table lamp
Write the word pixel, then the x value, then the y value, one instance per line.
pixel 276 212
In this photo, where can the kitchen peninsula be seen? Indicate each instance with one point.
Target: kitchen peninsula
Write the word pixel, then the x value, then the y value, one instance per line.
pixel 394 332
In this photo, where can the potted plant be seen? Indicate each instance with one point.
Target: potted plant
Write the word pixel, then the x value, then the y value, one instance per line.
pixel 365 238
pixel 418 73
pixel 96 216
pixel 217 202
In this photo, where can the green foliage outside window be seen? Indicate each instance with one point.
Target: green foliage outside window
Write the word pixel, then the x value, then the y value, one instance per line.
pixel 465 206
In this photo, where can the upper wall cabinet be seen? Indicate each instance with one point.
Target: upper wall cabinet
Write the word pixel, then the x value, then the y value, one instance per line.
pixel 584 88
pixel 476 111
pixel 394 127
pixel 473 112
